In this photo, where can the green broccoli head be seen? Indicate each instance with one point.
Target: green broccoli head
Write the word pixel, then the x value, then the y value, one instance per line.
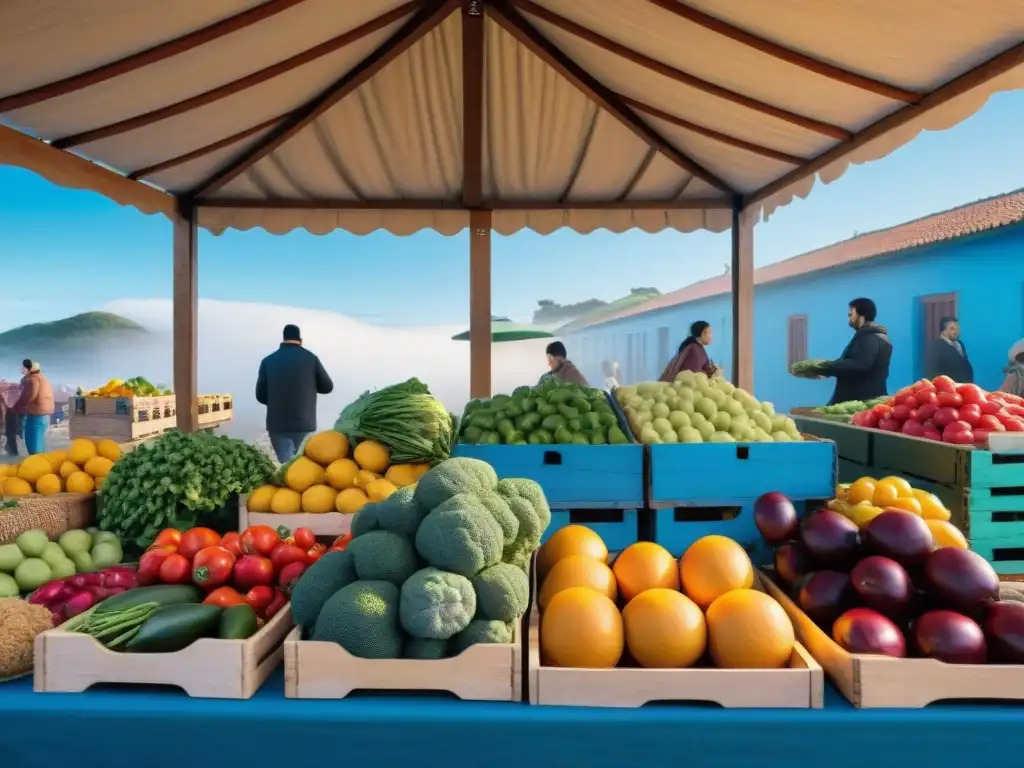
pixel 453 477
pixel 398 513
pixel 460 536
pixel 502 514
pixel 526 500
pixel 435 605
pixel 383 556
pixel 428 650
pixel 318 583
pixel 481 631
pixel 530 490
pixel 363 619
pixel 502 592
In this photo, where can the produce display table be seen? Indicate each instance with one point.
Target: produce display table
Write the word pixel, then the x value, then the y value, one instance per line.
pixel 165 729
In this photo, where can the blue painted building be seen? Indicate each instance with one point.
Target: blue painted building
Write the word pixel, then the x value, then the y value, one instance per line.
pixel 967 262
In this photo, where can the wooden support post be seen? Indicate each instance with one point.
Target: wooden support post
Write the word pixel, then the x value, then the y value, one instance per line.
pixel 480 304
pixel 186 316
pixel 742 272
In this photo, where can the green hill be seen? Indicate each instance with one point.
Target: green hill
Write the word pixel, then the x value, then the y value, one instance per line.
pixel 636 296
pixel 85 328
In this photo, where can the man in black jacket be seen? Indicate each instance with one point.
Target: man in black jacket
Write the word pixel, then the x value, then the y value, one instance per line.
pixel 862 370
pixel 947 355
pixel 288 383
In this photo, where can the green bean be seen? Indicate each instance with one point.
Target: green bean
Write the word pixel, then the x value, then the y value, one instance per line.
pixel 124 638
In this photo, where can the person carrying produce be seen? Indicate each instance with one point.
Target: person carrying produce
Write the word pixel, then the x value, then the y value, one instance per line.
pixel 862 371
pixel 692 354
pixel 288 382
pixel 947 355
pixel 1014 382
pixel 562 368
pixel 36 403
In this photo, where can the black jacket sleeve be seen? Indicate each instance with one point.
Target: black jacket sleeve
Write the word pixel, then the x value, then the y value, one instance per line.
pixel 261 384
pixel 858 360
pixel 324 385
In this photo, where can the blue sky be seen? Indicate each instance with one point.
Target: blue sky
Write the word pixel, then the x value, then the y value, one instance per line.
pixel 65 251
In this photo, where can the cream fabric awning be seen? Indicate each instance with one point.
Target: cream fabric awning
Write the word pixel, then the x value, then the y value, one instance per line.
pixel 329 114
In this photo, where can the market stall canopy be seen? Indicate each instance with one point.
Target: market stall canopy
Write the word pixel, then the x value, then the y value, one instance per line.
pixel 503 329
pixel 398 115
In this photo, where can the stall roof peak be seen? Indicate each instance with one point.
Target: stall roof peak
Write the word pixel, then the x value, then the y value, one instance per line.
pixel 403 115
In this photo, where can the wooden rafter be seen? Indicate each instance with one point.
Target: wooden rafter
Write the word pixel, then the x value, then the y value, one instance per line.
pixel 145 58
pixel 287 204
pixel 653 65
pixel 787 55
pixel 237 86
pixel 515 25
pixel 411 32
pixel 722 138
pixel 989 70
pixel 472 103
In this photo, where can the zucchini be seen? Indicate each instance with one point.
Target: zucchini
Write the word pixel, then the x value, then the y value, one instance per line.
pixel 174 627
pixel 163 594
pixel 237 623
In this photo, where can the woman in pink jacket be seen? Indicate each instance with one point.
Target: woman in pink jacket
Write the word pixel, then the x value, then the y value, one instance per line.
pixel 692 355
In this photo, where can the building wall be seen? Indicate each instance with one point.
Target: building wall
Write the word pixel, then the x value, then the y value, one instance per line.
pixel 986 271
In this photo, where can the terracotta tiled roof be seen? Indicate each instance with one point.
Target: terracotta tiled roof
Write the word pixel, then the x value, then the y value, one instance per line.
pixel 978 216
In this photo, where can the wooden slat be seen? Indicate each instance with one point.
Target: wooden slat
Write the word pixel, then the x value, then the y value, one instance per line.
pixel 186 318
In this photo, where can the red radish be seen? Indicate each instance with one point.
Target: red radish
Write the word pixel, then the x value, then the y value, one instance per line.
pixel 127 579
pixel 83 580
pixel 51 593
pixel 79 603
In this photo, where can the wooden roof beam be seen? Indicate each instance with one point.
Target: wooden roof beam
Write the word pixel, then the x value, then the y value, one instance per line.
pixel 144 58
pixel 432 14
pixel 290 204
pixel 528 36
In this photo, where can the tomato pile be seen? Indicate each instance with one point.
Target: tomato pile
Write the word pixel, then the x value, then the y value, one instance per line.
pixel 942 410
pixel 256 567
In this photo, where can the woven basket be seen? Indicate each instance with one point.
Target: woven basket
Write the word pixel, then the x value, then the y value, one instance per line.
pixel 54 514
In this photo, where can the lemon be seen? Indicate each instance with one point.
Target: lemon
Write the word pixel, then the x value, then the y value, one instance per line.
pixel 49 484
pixel 81 451
pixel 372 456
pixel 98 466
pixel 108 449
pixel 56 458
pixel 286 502
pixel 15 486
pixel 379 489
pixel 341 474
pixel 350 501
pixel 325 447
pixel 67 469
pixel 80 482
pixel 364 477
pixel 260 499
pixel 318 499
pixel 402 475
pixel 33 468
pixel 302 473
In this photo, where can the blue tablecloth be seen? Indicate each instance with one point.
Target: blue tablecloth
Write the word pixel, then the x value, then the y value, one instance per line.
pixel 121 728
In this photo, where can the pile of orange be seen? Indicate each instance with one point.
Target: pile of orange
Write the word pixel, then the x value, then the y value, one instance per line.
pixel 666 614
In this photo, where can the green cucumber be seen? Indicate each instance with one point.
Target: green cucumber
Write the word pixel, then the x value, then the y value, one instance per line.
pixel 163 594
pixel 238 622
pixel 174 627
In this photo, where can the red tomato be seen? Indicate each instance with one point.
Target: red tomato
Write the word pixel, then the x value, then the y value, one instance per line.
pixel 253 571
pixel 1013 424
pixel 923 386
pixel 290 576
pixel 971 413
pixel 167 537
pixel 280 601
pixel 992 407
pixel 259 540
pixel 971 393
pixel 929 432
pixel 903 394
pixel 927 411
pixel 224 597
pixel 944 384
pixel 342 541
pixel 963 437
pixel 889 425
pixel 176 569
pixel 882 411
pixel 1015 410
pixel 304 538
pixel 211 567
pixel 150 563
pixel 912 427
pixel 991 423
pixel 957 426
pixel 315 553
pixel 901 412
pixel 949 400
pixel 232 542
pixel 981 437
pixel 285 554
pixel 927 397
pixel 196 539
pixel 259 599
pixel 945 416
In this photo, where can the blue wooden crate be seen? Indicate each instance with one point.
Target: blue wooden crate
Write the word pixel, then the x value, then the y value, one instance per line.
pixel 572 476
pixel 696 474
pixel 618 528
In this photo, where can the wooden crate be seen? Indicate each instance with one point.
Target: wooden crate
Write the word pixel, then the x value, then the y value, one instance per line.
pixel 121 419
pixel 67 662
pixel 323 670
pixel 872 682
pixel 852 443
pixel 215 409
pixel 328 524
pixel 799 686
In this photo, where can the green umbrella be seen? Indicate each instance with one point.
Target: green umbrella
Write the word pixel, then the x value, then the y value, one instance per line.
pixel 503 329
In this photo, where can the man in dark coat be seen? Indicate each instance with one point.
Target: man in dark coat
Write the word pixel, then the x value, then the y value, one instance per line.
pixel 863 369
pixel 947 355
pixel 288 383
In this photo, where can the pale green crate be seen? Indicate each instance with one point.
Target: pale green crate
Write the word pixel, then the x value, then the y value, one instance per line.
pixel 995 470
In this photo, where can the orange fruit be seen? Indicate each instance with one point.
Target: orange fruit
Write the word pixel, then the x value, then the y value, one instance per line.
pixel 664 629
pixel 713 566
pixel 903 488
pixel 571 540
pixel 884 493
pixel 863 489
pixel 642 566
pixel 577 571
pixel 581 628
pixel 907 504
pixel 749 630
pixel 932 507
pixel 946 534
